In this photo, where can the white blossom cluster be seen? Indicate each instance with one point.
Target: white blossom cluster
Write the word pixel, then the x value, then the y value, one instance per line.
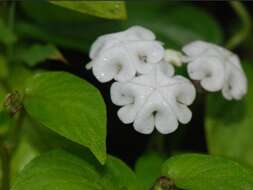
pixel 146 87
pixel 216 68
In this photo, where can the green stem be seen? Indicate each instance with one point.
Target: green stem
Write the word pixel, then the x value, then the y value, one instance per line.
pixel 11 22
pixel 5 163
pixel 157 142
pixel 243 33
pixel 5 150
pixel 15 136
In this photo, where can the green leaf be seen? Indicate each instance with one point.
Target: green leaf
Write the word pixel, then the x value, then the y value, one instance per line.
pixel 104 9
pixel 147 169
pixel 120 175
pixel 69 106
pixel 229 124
pixel 62 26
pixel 18 76
pixel 61 170
pixel 51 13
pixel 198 172
pixel 57 170
pixel 24 153
pixel 43 139
pixel 6 35
pixel 166 20
pixel 64 37
pixel 39 53
pixel 116 175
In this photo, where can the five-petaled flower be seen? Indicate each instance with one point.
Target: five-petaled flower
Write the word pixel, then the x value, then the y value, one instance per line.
pixel 216 68
pixel 122 55
pixel 157 99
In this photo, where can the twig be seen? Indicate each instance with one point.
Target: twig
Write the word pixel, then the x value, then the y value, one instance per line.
pixel 243 33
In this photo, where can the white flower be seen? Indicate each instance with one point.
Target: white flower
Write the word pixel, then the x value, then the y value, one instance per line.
pixel 122 55
pixel 109 40
pixel 157 99
pixel 173 57
pixel 216 68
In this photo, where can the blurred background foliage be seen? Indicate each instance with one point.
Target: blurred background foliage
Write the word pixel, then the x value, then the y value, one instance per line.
pixel 41 35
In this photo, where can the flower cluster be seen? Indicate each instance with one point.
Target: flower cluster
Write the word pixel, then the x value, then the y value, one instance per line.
pixel 146 88
pixel 216 68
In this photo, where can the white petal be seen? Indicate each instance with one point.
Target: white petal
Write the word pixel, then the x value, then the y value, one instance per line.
pixel 196 48
pixel 120 95
pixel 162 73
pixel 144 125
pixel 166 122
pixel 165 118
pixel 145 121
pixel 182 112
pixel 145 53
pixel 234 59
pixel 235 86
pixel 131 96
pixel 140 33
pixel 210 72
pixel 184 92
pixel 96 47
pixel 127 114
pixel 110 40
pixel 113 63
pixel 105 42
pixel 178 95
pixel 167 69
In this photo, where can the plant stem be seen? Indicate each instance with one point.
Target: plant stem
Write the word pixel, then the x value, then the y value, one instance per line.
pixel 157 142
pixel 5 163
pixel 11 22
pixel 5 150
pixel 16 132
pixel 243 33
